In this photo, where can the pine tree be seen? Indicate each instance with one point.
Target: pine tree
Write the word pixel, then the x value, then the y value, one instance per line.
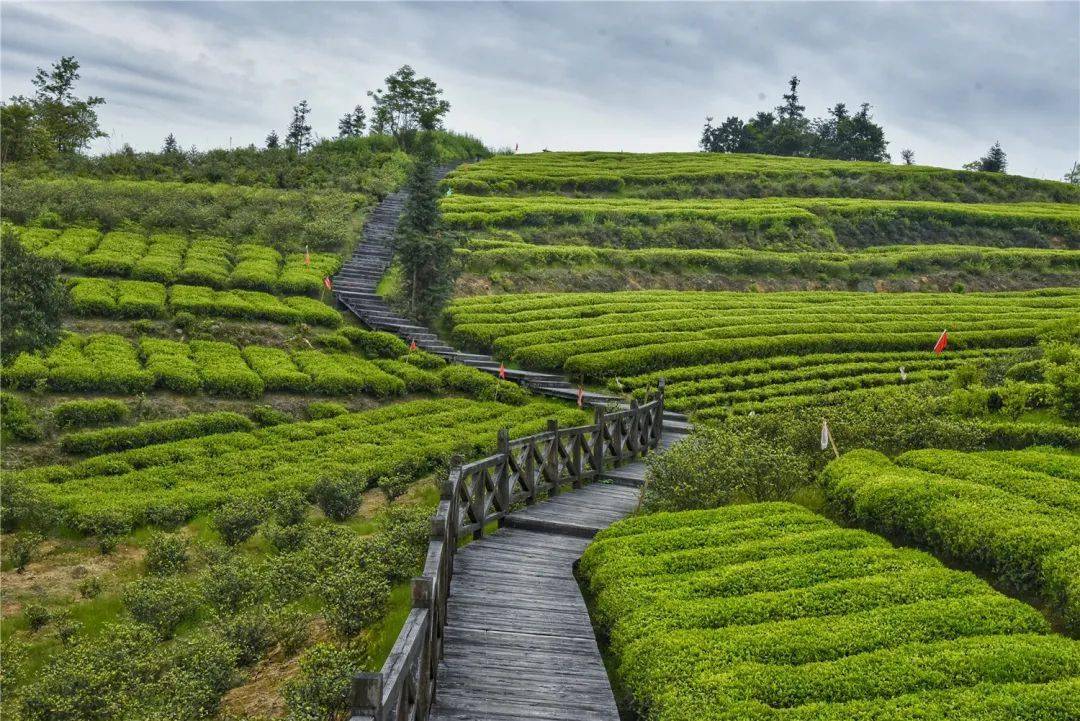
pixel 299 136
pixel 994 161
pixel 272 140
pixel 353 124
pixel 423 247
pixel 171 146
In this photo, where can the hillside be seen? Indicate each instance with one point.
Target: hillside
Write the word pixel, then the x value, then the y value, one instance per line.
pixel 585 221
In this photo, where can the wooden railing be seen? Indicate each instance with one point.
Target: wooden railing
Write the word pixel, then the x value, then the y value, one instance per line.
pixel 474 496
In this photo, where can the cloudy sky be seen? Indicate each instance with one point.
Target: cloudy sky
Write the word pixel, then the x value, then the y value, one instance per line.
pixel 945 79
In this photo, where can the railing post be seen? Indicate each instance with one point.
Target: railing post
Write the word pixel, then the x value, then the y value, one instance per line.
pixel 617 439
pixel 529 474
pixel 365 699
pixel 637 429
pixel 597 449
pixel 659 434
pixel 451 493
pixel 551 462
pixel 502 479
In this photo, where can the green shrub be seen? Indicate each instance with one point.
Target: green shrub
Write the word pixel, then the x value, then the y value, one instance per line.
pixel 269 416
pixel 37 616
pixel 161 603
pixel 321 690
pixel 355 598
pixel 22 549
pixel 232 584
pixel 224 371
pixel 90 587
pixel 250 632
pixel 482 385
pixel 166 554
pixel 375 344
pixel 291 630
pixel 145 434
pixel 95 412
pixel 15 418
pixel 333 341
pixel 277 369
pixel 393 486
pixel 288 506
pixel 285 539
pixel 403 540
pixel 713 467
pixel 236 521
pixel 339 498
pixel 423 359
pixel 325 409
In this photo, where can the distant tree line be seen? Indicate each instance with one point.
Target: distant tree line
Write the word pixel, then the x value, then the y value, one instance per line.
pixel 842 135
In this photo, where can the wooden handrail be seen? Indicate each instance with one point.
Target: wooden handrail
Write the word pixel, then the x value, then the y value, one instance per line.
pixel 474 496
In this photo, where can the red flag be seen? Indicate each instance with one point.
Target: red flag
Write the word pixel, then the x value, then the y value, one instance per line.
pixel 307 257
pixel 580 397
pixel 327 283
pixel 502 371
pixel 412 345
pixel 941 342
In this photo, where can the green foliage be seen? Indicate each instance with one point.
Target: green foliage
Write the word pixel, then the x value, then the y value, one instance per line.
pixel 288 506
pixel 740 611
pixel 154 432
pixel 32 298
pixel 22 548
pixel 15 418
pixel 355 598
pixel 423 359
pixel 482 385
pixel 285 220
pixel 160 603
pixel 406 105
pixel 250 632
pixel 403 534
pixel 166 554
pixel 89 412
pixel 268 415
pixel 375 344
pixel 321 691
pixel 90 587
pixel 992 510
pixel 237 520
pixel 716 466
pixel 325 409
pixel 233 584
pixel 339 498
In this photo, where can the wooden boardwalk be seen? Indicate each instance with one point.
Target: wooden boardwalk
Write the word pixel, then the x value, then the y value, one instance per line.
pixel 519 644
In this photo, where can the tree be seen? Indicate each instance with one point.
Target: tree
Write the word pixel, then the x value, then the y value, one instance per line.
pixel 841 135
pixel 398 109
pixel 32 299
pixel 272 140
pixel 171 147
pixel 423 247
pixel 1073 176
pixel 353 124
pixel 908 156
pixel 21 136
pixel 993 162
pixel 69 122
pixel 299 136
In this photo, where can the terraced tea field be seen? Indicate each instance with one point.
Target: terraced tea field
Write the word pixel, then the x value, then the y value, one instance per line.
pixel 724 352
pixel 769 611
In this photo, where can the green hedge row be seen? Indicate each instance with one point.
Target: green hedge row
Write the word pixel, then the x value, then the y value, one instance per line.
pixel 146 434
pixel 90 412
pixel 168 483
pixel 171 258
pixel 762 612
pixel 113 364
pixel 739 175
pixel 983 510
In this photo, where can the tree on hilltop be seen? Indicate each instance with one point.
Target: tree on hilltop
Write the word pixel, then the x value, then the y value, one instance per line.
pixel 406 101
pixel 908 156
pixel 1073 176
pixel 840 135
pixel 171 147
pixel 993 162
pixel 352 124
pixel 299 136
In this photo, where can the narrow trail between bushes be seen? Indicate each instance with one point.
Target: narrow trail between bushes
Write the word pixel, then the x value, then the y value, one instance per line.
pixel 519 642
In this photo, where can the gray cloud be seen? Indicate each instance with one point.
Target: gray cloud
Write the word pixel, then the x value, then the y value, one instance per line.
pixel 946 79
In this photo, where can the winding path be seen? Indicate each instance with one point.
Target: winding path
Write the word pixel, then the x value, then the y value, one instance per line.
pixel 519 643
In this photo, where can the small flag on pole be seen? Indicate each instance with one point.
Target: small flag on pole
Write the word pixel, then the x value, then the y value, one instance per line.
pixel 327 283
pixel 941 342
pixel 502 371
pixel 903 375
pixel 412 345
pixel 307 257
pixel 580 397
pixel 825 436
